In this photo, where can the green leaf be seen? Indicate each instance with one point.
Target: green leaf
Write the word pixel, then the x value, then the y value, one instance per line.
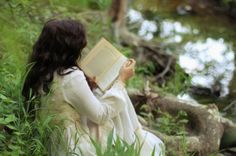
pixel 2 137
pixel 10 118
pixel 11 127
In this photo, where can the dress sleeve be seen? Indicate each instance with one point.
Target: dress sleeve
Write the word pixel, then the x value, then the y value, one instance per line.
pixel 77 93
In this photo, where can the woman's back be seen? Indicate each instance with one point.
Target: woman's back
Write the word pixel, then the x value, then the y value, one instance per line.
pixel 65 103
pixel 66 96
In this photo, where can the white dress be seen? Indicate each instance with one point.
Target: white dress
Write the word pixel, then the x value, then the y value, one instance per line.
pixel 90 115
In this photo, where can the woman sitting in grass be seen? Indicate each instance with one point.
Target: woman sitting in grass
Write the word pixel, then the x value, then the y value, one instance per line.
pixel 85 117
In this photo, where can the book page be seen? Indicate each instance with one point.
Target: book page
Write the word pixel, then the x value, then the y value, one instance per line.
pixel 104 62
pixel 101 62
pixel 110 76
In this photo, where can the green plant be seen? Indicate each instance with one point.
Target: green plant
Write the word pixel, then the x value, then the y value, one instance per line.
pixel 136 82
pixel 165 122
pixel 146 69
pixel 170 124
pixel 178 83
pixel 141 73
pixel 20 134
pixel 100 4
pixel 117 147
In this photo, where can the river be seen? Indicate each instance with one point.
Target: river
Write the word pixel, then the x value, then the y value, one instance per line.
pixel 204 44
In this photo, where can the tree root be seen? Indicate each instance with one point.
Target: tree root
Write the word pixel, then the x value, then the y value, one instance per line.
pixel 207 125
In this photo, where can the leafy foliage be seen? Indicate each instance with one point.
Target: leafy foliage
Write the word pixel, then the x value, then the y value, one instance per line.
pixel 178 83
pixel 146 69
pixel 117 147
pixel 165 122
pixel 172 125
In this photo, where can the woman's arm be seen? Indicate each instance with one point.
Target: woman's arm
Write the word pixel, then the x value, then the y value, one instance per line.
pixel 79 95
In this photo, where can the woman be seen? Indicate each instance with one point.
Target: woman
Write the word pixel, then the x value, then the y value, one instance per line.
pixel 76 106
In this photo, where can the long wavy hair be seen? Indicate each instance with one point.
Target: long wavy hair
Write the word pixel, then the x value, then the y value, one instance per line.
pixel 58 48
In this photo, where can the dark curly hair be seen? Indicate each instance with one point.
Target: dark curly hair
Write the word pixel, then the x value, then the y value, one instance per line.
pixel 58 48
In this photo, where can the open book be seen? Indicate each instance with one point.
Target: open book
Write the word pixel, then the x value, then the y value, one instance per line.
pixel 103 62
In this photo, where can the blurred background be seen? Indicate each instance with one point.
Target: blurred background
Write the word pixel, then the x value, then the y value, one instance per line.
pixel 200 36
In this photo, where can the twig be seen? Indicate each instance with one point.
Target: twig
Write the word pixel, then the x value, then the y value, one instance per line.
pixel 162 74
pixel 230 105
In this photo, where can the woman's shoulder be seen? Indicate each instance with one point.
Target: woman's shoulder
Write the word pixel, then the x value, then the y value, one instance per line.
pixel 71 73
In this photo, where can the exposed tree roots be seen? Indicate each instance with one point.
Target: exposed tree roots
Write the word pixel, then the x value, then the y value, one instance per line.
pixel 206 126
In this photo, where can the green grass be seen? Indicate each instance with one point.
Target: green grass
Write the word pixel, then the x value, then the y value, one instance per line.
pixel 20 24
pixel 19 134
pixel 117 147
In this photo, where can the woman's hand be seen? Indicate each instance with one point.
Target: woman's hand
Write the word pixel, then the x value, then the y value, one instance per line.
pixel 92 82
pixel 127 70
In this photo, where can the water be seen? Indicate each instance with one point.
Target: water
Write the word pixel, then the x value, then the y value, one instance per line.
pixel 204 45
